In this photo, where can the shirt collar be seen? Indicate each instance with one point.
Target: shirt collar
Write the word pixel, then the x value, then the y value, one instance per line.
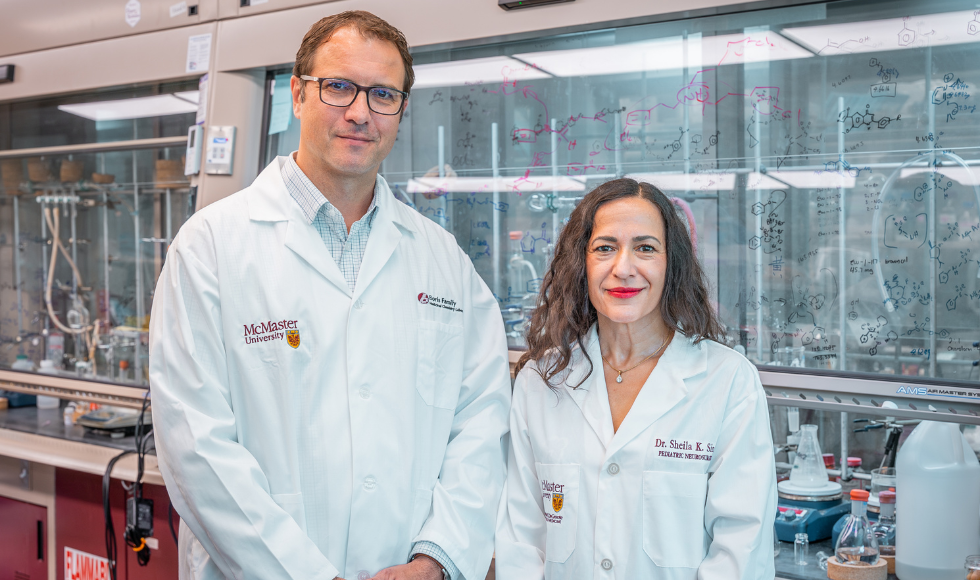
pixel 308 197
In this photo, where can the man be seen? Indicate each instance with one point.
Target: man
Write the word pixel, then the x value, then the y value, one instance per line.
pixel 329 374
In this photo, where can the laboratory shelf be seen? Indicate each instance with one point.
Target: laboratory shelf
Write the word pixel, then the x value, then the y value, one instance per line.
pixel 101 392
pixel 864 393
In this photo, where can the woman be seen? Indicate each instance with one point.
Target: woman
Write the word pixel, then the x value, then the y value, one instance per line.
pixel 640 447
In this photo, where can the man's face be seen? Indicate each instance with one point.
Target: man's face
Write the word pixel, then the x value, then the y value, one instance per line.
pixel 348 141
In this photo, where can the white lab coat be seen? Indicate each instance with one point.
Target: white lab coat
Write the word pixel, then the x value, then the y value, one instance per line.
pixel 381 428
pixel 684 490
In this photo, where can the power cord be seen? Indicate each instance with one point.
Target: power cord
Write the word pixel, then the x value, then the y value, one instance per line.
pixel 139 510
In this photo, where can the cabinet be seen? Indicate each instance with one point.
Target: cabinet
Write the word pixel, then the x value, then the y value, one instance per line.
pixel 23 528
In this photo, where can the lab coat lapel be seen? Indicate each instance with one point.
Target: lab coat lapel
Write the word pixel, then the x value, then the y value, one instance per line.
pixel 663 390
pixel 591 397
pixel 384 237
pixel 269 201
pixel 303 239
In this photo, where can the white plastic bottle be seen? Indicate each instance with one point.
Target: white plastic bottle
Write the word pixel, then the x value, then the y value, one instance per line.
pixel 43 401
pixel 22 363
pixel 938 508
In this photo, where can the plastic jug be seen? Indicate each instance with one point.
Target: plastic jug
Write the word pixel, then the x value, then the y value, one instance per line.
pixel 938 509
pixel 43 401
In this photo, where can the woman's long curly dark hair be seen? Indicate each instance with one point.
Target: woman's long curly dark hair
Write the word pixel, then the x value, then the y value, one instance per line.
pixel 565 314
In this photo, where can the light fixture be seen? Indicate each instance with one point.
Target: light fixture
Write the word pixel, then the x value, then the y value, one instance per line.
pixel 687 181
pixel 881 36
pixel 671 53
pixel 544 184
pixel 476 71
pixel 137 108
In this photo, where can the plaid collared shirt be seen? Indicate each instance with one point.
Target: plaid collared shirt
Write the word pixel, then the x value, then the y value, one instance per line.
pixel 347 249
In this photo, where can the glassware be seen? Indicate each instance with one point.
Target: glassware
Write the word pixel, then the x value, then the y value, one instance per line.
pixel 800 549
pixel 790 356
pixel 520 271
pixel 822 558
pixel 972 566
pixel 775 543
pixel 883 479
pixel 857 544
pixel 808 467
pixel 884 528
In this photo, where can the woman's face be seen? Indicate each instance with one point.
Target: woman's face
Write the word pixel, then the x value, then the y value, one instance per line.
pixel 626 260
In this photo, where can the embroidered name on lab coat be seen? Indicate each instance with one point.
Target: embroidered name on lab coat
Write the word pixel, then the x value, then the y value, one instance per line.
pixel 444 303
pixel 272 330
pixel 702 450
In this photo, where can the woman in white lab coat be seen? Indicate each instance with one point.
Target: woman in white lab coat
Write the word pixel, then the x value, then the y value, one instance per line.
pixel 640 447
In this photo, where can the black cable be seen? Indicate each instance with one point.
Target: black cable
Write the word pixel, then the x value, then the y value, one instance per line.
pixel 110 531
pixel 143 553
pixel 170 520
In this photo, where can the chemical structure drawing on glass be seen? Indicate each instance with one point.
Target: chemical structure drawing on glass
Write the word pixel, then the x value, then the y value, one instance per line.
pixel 850 178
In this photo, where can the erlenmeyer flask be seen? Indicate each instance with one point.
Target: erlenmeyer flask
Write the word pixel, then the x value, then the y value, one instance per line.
pixel 808 468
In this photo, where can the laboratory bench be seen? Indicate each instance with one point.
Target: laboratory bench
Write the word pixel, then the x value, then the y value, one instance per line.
pixel 51 484
pixel 786 568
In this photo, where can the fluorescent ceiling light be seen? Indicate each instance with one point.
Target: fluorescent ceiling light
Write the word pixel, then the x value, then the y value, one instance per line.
pixel 812 179
pixel 477 71
pixel 688 181
pixel 138 108
pixel 667 54
pixel 889 34
pixel 544 184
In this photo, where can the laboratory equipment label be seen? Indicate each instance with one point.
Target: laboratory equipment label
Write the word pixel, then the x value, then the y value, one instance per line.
pixel 81 565
pixel 133 12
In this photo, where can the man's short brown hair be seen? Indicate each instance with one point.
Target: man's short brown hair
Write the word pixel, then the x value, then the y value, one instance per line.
pixel 365 23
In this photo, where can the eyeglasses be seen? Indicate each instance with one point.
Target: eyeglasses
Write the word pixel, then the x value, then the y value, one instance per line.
pixel 343 93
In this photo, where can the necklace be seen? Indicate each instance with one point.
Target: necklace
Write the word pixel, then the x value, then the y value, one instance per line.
pixel 619 377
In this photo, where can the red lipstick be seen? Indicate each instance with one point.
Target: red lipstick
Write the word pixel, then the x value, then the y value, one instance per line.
pixel 623 292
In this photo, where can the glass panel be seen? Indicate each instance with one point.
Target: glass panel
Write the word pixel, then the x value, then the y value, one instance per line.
pixel 114 215
pixel 824 157
pixel 117 114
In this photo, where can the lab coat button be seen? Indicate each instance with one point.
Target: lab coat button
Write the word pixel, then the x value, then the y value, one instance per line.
pixel 613 469
pixel 370 483
pixel 363 575
pixel 606 564
pixel 358 305
pixel 364 393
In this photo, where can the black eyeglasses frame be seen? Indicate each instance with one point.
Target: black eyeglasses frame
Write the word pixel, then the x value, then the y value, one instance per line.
pixel 360 89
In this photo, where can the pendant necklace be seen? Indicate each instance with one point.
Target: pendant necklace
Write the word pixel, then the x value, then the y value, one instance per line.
pixel 619 377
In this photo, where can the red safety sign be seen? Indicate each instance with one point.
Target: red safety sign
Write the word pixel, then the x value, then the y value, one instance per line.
pixel 84 566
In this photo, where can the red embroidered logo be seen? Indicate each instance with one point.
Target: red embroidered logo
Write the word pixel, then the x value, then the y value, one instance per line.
pixel 423 298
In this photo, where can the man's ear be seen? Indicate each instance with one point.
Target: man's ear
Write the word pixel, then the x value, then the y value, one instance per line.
pixel 297 87
pixel 404 108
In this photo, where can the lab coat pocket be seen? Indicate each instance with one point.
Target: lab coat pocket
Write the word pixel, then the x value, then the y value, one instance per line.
pixel 292 504
pixel 440 367
pixel 673 518
pixel 559 499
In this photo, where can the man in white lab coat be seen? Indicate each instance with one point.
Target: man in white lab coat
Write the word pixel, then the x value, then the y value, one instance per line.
pixel 329 374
